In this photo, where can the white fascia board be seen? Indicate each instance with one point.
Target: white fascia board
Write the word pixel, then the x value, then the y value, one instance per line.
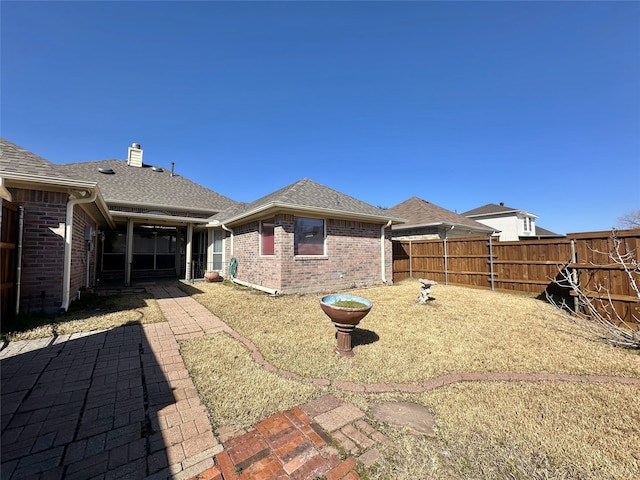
pixel 29 181
pixel 104 209
pixel 27 178
pixel 314 211
pixel 164 218
pixel 446 224
pixel 157 206
pixel 417 225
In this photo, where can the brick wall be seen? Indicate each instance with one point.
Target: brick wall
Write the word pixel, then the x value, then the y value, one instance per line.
pixel 79 253
pixel 353 257
pixel 43 249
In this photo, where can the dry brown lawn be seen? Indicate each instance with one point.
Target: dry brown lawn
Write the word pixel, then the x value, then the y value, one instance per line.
pixel 89 314
pixel 483 429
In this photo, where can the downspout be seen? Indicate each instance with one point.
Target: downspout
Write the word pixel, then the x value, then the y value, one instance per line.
pixel 383 269
pixel 68 238
pixel 224 260
pixel 19 256
pixel 270 291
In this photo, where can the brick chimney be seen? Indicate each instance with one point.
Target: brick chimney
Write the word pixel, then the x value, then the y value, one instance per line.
pixel 134 157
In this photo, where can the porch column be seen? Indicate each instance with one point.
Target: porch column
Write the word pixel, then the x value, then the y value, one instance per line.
pixel 129 260
pixel 188 252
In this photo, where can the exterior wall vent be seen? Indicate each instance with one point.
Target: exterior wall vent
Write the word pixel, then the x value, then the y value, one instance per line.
pixel 134 157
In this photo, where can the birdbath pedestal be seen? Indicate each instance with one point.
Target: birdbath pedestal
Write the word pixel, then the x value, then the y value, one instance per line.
pixel 345 311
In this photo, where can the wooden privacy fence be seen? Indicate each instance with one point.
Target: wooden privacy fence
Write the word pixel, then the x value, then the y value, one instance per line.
pixel 534 266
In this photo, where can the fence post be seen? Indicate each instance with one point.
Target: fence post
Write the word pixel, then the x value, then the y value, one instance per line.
pixel 446 266
pixel 410 261
pixel 574 274
pixel 491 263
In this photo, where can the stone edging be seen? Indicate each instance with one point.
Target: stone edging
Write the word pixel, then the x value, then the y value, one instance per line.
pixel 431 384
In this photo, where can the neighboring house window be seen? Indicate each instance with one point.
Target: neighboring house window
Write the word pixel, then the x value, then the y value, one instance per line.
pixel 527 224
pixel 308 236
pixel 267 244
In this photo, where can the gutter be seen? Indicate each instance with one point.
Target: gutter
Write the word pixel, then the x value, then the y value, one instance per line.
pixel 59 182
pixel 151 217
pixel 460 226
pixel 316 211
pixel 160 206
pixel 4 193
pixel 68 238
pixel 26 180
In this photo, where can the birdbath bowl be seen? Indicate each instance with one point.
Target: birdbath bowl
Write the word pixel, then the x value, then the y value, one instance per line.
pixel 345 311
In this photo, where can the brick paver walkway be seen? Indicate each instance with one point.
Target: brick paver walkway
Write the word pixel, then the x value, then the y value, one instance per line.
pixel 120 404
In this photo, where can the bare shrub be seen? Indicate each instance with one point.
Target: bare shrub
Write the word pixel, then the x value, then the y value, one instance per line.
pixel 594 310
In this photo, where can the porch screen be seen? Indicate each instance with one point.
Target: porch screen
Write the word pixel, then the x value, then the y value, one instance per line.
pixel 114 246
pixel 154 251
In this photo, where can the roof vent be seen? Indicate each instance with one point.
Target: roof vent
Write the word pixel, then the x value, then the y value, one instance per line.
pixel 134 157
pixel 106 171
pixel 157 169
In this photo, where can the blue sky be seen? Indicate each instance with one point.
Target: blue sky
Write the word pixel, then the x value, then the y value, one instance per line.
pixel 534 104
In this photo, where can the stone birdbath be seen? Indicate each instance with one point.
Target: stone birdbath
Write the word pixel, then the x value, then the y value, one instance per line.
pixel 345 311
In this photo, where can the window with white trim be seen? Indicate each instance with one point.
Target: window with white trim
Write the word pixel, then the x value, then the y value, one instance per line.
pixel 267 240
pixel 309 236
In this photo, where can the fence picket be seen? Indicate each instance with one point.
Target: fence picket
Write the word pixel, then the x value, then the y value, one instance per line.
pixel 526 266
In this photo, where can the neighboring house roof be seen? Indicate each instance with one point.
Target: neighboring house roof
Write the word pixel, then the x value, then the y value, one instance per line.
pixel 148 186
pixel 493 209
pixel 543 232
pixel 307 196
pixel 421 213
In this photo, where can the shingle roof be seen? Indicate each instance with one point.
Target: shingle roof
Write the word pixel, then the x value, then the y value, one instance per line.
pixel 489 209
pixel 16 159
pixel 148 186
pixel 543 232
pixel 310 195
pixel 419 212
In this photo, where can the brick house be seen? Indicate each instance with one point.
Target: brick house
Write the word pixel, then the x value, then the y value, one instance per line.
pixel 45 214
pixel 427 221
pixel 307 237
pixel 123 222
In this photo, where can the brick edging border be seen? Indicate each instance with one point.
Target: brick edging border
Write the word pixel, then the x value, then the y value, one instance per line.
pixel 431 384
